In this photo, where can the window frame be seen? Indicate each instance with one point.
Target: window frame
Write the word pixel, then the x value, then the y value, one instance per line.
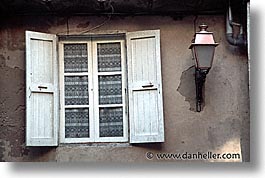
pixel 93 91
pixel 137 135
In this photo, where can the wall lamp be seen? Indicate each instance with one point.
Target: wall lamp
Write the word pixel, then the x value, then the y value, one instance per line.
pixel 202 48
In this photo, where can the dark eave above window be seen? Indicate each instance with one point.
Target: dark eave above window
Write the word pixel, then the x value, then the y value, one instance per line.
pixel 114 7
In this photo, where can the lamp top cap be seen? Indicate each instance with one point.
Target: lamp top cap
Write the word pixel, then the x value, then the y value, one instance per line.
pixel 203 27
pixel 203 37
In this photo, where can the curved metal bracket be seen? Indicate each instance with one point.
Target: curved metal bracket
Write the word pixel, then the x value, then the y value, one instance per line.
pixel 200 76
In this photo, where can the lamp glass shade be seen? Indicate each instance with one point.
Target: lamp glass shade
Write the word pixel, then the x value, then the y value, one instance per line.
pixel 203 55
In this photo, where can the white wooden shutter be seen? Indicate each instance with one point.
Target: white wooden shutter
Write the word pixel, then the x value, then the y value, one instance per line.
pixel 41 90
pixel 145 87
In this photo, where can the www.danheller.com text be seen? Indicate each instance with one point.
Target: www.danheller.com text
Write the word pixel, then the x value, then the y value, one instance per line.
pixel 192 156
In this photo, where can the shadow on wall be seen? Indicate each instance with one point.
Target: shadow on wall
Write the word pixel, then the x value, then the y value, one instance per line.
pixel 187 87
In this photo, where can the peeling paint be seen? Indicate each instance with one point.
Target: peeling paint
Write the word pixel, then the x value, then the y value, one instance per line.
pixel 187 87
pixel 12 59
pixel 4 150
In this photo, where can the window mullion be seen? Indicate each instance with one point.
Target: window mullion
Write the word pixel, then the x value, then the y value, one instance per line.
pixel 91 89
pixel 95 90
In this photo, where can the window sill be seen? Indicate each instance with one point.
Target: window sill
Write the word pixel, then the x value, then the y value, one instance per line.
pixel 106 145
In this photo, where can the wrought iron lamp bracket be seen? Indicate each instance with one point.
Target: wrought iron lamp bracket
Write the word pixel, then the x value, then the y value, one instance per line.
pixel 200 77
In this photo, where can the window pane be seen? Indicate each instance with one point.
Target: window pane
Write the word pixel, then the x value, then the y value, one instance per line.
pixel 75 58
pixel 109 57
pixel 110 89
pixel 111 122
pixel 76 90
pixel 205 55
pixel 76 123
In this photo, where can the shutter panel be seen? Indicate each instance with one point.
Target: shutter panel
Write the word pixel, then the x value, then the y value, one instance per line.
pixel 41 90
pixel 145 87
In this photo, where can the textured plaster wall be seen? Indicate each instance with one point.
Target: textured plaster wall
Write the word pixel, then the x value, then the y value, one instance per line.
pixel 222 126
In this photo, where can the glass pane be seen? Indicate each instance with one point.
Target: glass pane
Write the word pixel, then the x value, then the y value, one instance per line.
pixel 205 55
pixel 109 57
pixel 110 89
pixel 75 58
pixel 76 90
pixel 111 122
pixel 76 123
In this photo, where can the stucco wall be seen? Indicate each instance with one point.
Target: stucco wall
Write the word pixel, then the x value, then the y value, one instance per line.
pixel 222 126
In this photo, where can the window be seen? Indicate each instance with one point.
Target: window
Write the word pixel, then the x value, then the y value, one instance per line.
pixel 93 89
pixel 93 86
